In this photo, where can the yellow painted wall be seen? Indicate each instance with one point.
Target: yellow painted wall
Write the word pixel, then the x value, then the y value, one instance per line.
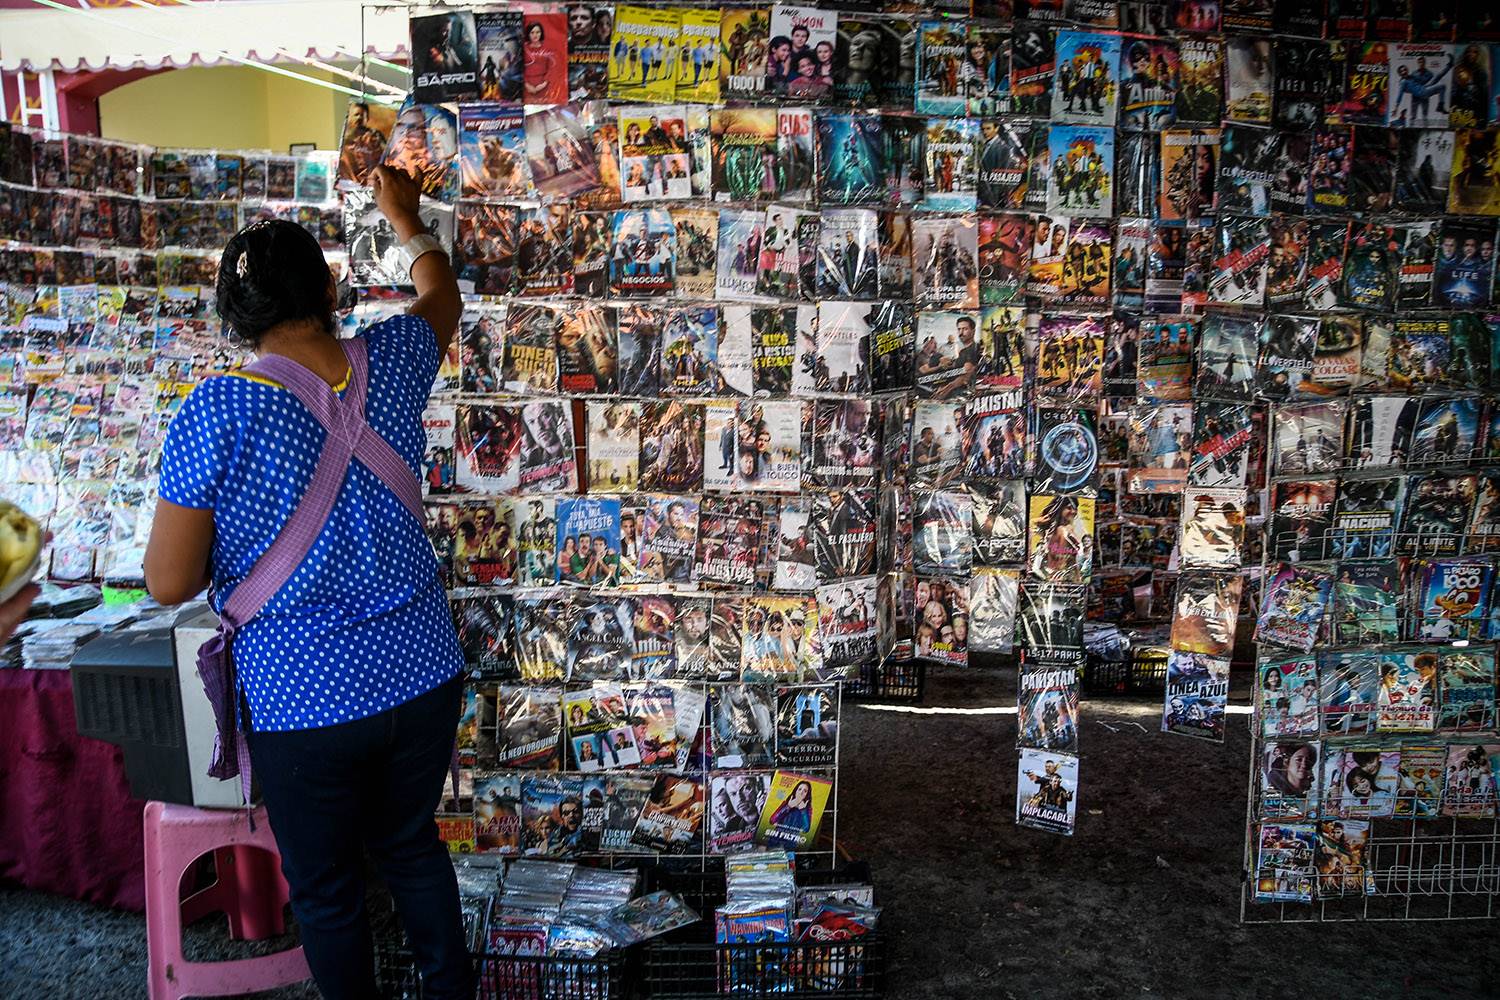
pixel 228 107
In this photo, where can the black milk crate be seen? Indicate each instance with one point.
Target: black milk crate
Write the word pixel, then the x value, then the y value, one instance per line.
pixel 689 965
pixel 1143 672
pixel 511 977
pixel 889 681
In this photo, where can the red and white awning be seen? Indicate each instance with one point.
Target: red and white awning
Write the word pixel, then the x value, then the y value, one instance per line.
pixel 203 34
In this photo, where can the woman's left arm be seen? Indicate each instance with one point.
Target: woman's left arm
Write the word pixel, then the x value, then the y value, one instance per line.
pixel 177 555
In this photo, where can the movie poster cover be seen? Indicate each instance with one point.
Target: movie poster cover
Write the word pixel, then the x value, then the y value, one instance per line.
pixel 993 593
pixel 1061 538
pixel 547 461
pixel 1213 528
pixel 796 559
pixel 807 726
pixel 642 250
pixel 947 354
pixel 1189 172
pixel 444 57
pixel 601 643
pixel 728 542
pixel 1438 507
pixel 1148 84
pixel 768 455
pixel 941 62
pixel 1451 598
pixel 1032 61
pixel 488 443
pixel 735 801
pixel 1421 81
pixel 1001 343
pixel 847 254
pixel 946 263
pixel 942 532
pixel 671 820
pixel 852 155
pixel 1285 869
pixel 942 620
pixel 1005 243
pixel 588 541
pixel 1206 612
pixel 497 812
pixel 643 54
pixel 560 151
pixel 374 249
pixel 1048 707
pixel 502 67
pixel 1080 179
pixel 951 150
pixel 1248 79
pixel 1348 686
pixel 1407 699
pixel 1295 601
pixel 744 39
pixel 492 153
pixel 1424 168
pixel 669 538
pixel 654 160
pixel 671 459
pixel 689 352
pixel 1200 93
pixel 535 523
pixel 1469 782
pixel 530 360
pixel 800 61
pixel 1159 447
pixel 793 811
pixel 1474 186
pixel 1197 695
pixel 1070 357
pixel 741 235
pixel 1086 81
pixel 1463 273
pixel 995 438
pixel 845 444
pixel 424 143
pixel 1227 349
pixel 1467 679
pixel 590 29
pixel 1247 169
pixel 1164 366
pixel 614 446
pixel 937 452
pixel 542 626
pixel 1047 791
pixel 1301 513
pixel 744 153
pixel 367 132
pixel 780 639
pixel 846 626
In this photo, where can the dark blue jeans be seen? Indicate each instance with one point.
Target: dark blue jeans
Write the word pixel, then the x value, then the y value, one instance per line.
pixel 371 783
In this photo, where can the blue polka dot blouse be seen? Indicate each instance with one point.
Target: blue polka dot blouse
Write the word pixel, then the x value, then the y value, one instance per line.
pixel 363 624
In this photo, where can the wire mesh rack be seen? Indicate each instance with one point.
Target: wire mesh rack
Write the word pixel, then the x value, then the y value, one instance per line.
pixel 1370 793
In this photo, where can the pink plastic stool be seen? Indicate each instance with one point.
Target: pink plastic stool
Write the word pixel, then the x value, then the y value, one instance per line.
pixel 249 889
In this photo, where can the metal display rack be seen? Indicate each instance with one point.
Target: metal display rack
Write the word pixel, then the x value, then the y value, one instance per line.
pixel 1418 864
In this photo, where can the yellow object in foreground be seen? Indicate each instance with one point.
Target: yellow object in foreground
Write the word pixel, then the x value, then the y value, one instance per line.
pixel 20 541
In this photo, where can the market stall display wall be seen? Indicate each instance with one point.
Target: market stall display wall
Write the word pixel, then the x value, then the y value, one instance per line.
pixel 877 317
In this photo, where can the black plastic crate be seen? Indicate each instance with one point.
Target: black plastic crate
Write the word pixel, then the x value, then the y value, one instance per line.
pixel 891 681
pixel 689 964
pixel 695 970
pixel 512 977
pixel 1145 672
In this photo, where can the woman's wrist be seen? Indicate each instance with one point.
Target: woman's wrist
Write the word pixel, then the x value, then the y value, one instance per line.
pixel 406 224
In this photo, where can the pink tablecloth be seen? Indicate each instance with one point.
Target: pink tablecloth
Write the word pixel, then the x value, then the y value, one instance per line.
pixel 67 822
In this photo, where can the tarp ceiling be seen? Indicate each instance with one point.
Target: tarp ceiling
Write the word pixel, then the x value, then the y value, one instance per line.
pixel 135 37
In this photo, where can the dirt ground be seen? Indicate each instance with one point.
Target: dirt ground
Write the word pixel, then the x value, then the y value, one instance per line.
pixel 1142 901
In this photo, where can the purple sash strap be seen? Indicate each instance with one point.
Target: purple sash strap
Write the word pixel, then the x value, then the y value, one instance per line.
pixel 349 437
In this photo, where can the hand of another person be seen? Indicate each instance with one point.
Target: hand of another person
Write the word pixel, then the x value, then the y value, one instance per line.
pixel 13 611
pixel 396 193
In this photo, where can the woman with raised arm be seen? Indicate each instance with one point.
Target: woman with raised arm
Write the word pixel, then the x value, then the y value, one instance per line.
pixel 290 489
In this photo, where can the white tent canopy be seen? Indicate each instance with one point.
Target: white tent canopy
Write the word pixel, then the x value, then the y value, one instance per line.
pixel 134 37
